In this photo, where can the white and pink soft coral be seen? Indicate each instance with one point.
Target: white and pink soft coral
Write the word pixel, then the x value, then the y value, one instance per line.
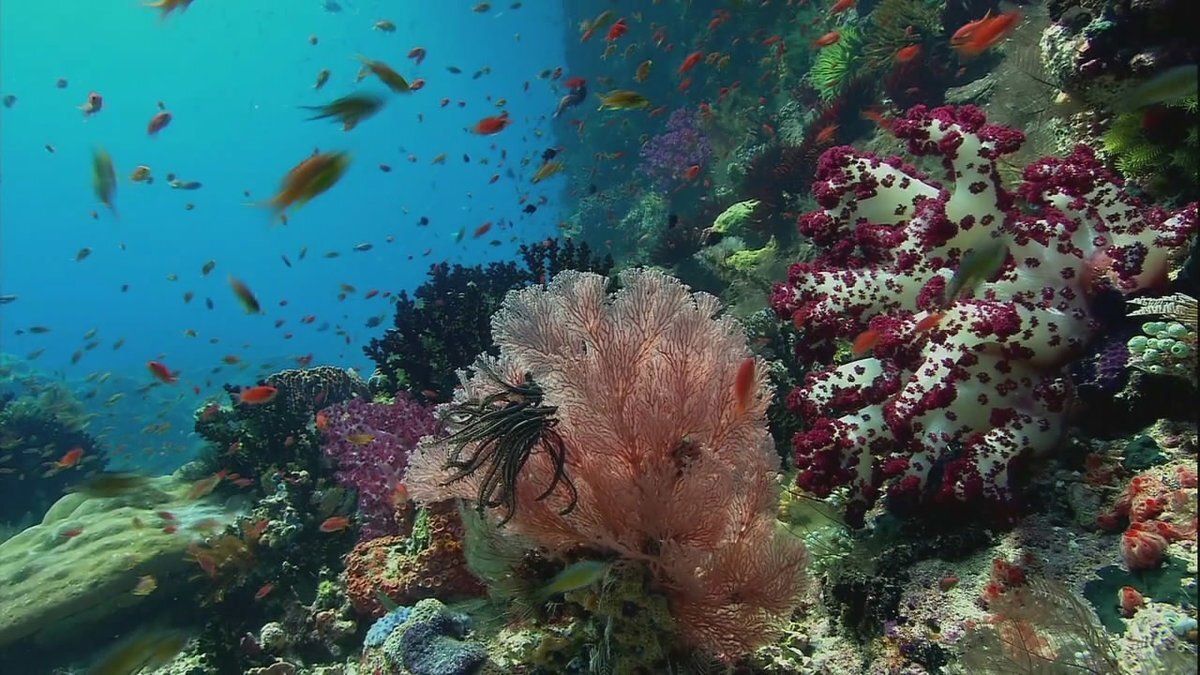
pixel 947 407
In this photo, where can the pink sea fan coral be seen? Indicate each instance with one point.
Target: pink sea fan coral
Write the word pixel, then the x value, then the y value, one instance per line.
pixel 371 442
pixel 667 470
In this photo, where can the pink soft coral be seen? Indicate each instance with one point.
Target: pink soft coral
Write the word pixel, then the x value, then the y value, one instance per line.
pixel 668 471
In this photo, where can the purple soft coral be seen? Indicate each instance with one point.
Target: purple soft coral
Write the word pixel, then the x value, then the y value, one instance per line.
pixel 667 156
pixel 370 443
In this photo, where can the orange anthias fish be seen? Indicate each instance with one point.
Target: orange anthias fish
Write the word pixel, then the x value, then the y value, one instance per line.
pixel 334 524
pixel 491 125
pixel 168 6
pixel 160 371
pixel 258 395
pixel 690 62
pixel 417 54
pixel 743 382
pixel 309 178
pixel 827 39
pixel 841 6
pixel 615 31
pixel 906 54
pixel 204 486
pixel 70 459
pixel 987 34
pixel 865 342
pixel 245 295
pixel 158 122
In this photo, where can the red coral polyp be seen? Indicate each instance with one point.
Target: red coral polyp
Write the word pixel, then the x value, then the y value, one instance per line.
pixel 983 386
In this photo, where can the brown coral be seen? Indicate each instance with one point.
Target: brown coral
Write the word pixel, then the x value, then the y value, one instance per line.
pixel 383 566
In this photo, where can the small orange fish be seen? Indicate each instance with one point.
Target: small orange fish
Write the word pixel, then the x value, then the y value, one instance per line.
pixel 827 39
pixel 865 342
pixel 491 125
pixel 72 533
pixel 162 119
pixel 334 524
pixel 742 384
pixel 906 54
pixel 988 34
pixel 692 172
pixel 929 322
pixel 205 486
pixel 160 371
pixel 482 230
pixel 690 62
pixel 258 395
pixel 826 135
pixel 264 591
pixel 70 459
pixel 841 6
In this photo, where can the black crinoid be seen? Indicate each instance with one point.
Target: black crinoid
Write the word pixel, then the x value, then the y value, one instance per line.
pixel 498 434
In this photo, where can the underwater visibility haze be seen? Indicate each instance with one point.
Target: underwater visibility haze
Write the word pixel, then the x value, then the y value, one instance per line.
pixel 603 336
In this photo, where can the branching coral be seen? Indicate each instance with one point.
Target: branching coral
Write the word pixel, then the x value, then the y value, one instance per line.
pixel 945 413
pixel 671 470
pixel 445 322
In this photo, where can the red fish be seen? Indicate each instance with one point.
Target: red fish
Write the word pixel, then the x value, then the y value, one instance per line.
pixel 906 54
pixel 157 122
pixel 928 322
pixel 692 172
pixel 258 395
pixel 826 135
pixel 72 533
pixel 827 39
pixel 482 230
pixel 417 84
pixel 574 82
pixel 160 371
pixel 841 6
pixel 334 524
pixel 742 384
pixel 417 54
pixel 690 62
pixel 963 34
pixel 865 342
pixel 70 459
pixel 267 587
pixel 987 34
pixel 491 125
pixel 615 31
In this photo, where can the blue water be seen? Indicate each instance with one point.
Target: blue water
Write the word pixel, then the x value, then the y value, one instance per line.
pixel 233 75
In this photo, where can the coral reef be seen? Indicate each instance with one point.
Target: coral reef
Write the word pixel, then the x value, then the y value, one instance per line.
pixel 252 441
pixel 430 640
pixel 961 390
pixel 37 431
pixel 445 323
pixel 370 443
pixel 667 157
pixel 429 563
pixel 80 566
pixel 648 454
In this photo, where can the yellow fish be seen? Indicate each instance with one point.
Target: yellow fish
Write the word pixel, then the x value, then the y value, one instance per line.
pixel 623 99
pixel 145 585
pixel 546 170
pixel 360 439
pixel 578 575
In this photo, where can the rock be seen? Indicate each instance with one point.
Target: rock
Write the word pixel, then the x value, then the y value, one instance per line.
pixel 81 564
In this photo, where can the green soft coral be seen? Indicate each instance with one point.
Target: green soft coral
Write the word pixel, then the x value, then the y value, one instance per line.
pixel 836 64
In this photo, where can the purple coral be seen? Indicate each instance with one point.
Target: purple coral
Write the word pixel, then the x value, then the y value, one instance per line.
pixel 370 442
pixel 667 156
